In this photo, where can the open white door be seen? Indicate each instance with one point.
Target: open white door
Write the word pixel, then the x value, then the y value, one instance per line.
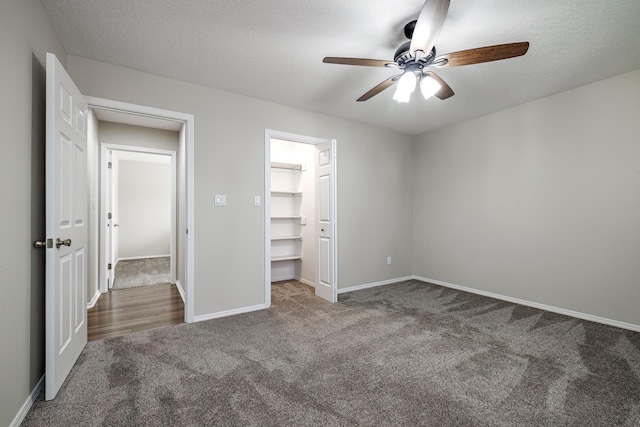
pixel 66 225
pixel 112 225
pixel 326 226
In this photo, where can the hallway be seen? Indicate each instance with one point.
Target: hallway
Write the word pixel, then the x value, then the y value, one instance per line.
pixel 123 311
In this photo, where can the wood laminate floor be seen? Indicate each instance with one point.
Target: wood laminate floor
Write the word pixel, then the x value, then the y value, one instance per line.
pixel 120 312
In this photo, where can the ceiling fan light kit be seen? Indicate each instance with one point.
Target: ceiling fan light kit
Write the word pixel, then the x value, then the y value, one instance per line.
pixel 406 86
pixel 412 57
pixel 429 87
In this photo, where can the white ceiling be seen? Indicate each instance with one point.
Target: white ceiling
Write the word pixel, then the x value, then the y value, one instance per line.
pixel 273 50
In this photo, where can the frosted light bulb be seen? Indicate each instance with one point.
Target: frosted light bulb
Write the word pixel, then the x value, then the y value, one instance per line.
pixel 429 86
pixel 406 86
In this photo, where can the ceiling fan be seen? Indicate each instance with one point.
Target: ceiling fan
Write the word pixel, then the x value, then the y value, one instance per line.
pixel 417 55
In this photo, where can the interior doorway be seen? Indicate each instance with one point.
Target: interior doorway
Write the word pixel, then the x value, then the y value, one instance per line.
pixel 140 215
pixel 182 212
pixel 300 212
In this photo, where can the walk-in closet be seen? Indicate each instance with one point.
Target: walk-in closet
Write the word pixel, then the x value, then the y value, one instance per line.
pixel 293 254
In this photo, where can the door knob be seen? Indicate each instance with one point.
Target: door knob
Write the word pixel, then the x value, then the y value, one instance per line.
pixel 40 244
pixel 65 242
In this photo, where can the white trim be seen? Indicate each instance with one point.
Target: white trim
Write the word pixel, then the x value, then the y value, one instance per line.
pixel 334 203
pixel 571 313
pixel 375 284
pixel 188 126
pixel 94 300
pixel 305 281
pixel 189 308
pixel 104 192
pixel 26 406
pixel 132 258
pixel 299 279
pixel 139 110
pixel 180 290
pixel 267 218
pixel 102 232
pixel 229 312
pixel 280 279
pixel 287 136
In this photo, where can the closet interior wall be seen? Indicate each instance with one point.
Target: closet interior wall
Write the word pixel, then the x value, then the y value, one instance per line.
pixel 293 251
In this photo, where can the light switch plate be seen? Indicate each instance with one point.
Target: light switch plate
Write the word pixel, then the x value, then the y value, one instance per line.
pixel 256 201
pixel 220 200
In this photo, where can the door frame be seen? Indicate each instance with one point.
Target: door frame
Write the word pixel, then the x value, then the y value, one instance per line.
pixel 303 139
pixel 187 121
pixel 105 193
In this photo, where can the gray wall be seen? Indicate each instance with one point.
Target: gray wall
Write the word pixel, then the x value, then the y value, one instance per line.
pixel 25 36
pixel 539 202
pixel 137 136
pixel 375 197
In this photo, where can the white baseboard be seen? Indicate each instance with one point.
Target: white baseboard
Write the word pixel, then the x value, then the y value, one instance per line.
pixel 571 313
pixel 281 278
pixel 305 281
pixel 131 258
pixel 17 420
pixel 289 277
pixel 94 300
pixel 181 291
pixel 374 284
pixel 229 312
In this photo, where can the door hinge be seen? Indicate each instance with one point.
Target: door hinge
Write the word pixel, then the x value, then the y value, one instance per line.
pixel 109 215
pixel 109 165
pixel 109 266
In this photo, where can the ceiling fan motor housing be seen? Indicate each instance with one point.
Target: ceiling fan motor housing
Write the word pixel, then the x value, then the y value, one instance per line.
pixel 403 55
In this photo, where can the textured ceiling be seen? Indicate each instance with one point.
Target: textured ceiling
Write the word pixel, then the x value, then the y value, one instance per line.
pixel 273 49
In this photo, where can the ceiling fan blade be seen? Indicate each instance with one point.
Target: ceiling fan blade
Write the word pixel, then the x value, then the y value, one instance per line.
pixel 429 25
pixel 358 61
pixel 481 54
pixel 379 88
pixel 445 90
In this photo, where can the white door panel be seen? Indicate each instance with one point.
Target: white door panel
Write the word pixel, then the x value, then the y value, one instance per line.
pixel 112 241
pixel 326 212
pixel 324 253
pixel 66 213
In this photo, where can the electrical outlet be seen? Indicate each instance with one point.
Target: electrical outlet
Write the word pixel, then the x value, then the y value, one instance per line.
pixel 388 260
pixel 220 200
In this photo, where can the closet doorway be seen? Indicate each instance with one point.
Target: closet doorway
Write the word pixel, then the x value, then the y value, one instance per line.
pixel 300 212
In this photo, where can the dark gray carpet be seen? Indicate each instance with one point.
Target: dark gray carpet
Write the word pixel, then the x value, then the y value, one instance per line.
pixel 141 272
pixel 406 354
